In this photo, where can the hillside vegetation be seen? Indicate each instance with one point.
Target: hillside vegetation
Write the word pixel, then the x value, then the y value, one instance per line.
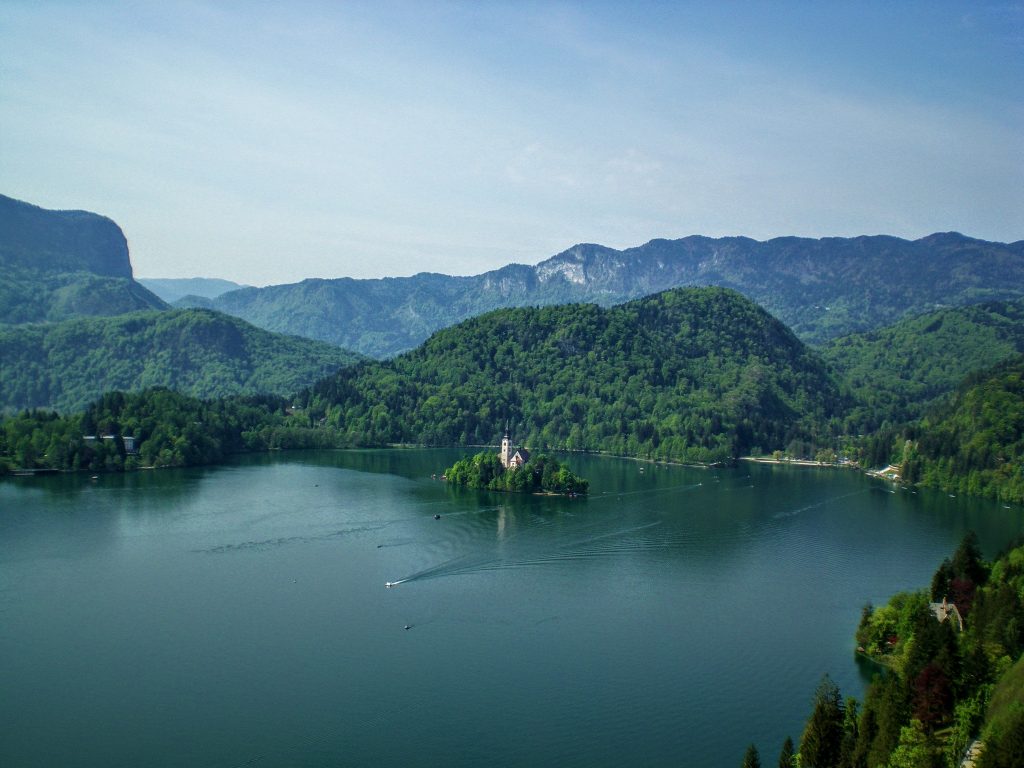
pixel 974 443
pixel 700 375
pixel 896 374
pixel 689 374
pixel 198 352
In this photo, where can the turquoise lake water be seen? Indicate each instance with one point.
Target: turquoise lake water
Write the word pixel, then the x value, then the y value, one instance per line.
pixel 237 616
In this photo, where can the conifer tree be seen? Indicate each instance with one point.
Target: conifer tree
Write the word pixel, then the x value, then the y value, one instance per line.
pixel 786 758
pixel 821 745
pixel 851 735
pixel 751 759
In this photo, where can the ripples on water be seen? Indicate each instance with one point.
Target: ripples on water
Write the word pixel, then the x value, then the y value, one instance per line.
pixel 646 624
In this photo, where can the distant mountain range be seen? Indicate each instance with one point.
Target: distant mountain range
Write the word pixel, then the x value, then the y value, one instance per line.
pixel 62 264
pixel 820 288
pixel 172 289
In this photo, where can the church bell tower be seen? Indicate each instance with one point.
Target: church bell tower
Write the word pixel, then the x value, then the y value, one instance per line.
pixel 506 448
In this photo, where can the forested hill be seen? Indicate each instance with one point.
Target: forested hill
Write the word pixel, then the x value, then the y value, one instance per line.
pixel 62 264
pixel 202 353
pixel 897 373
pixel 974 443
pixel 821 288
pixel 688 374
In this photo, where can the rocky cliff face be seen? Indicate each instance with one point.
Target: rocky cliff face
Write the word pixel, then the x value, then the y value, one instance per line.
pixel 61 241
pixel 62 264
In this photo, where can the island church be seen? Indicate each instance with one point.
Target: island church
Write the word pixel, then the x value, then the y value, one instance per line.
pixel 512 458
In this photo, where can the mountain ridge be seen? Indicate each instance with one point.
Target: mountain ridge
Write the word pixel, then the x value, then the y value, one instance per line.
pixel 822 288
pixel 171 289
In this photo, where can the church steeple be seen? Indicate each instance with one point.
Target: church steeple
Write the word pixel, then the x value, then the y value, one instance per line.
pixel 506 448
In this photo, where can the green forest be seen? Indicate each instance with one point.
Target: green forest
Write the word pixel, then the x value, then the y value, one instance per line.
pixel 206 354
pixel 974 443
pixel 943 685
pixel 697 375
pixel 169 429
pixel 896 374
pixel 541 474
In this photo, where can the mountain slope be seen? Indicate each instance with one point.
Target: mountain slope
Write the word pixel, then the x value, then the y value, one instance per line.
pixel 974 443
pixel 202 353
pixel 821 288
pixel 897 373
pixel 689 374
pixel 61 264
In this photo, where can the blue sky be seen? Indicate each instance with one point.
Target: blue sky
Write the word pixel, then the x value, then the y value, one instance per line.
pixel 270 142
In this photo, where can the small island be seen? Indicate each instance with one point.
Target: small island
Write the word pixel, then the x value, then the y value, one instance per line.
pixel 516 471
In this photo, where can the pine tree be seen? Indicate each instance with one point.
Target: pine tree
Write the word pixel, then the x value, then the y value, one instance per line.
pixel 751 759
pixel 786 758
pixel 851 734
pixel 821 745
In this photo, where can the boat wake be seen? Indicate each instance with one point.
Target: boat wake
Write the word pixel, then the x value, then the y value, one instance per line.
pixel 614 542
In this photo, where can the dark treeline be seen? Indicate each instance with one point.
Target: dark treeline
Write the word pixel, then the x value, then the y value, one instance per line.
pixel 169 429
pixel 944 686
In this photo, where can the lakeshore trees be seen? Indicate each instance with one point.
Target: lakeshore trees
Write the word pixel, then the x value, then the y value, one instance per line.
pixel 943 687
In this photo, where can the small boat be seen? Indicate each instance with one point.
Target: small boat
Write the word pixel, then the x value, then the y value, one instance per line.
pixel 388 585
pixel 408 626
pixel 437 517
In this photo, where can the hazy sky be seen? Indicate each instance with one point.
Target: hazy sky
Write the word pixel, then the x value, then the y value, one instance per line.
pixel 269 142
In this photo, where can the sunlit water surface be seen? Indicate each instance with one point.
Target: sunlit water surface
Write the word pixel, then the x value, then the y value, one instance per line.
pixel 238 616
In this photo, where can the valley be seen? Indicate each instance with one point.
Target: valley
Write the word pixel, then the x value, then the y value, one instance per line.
pixel 690 374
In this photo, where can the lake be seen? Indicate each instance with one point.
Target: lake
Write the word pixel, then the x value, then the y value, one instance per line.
pixel 237 616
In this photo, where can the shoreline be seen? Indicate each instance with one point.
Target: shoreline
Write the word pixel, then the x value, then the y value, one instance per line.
pixel 799 462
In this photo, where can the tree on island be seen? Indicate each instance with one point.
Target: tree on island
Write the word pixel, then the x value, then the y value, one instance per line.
pixel 541 474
